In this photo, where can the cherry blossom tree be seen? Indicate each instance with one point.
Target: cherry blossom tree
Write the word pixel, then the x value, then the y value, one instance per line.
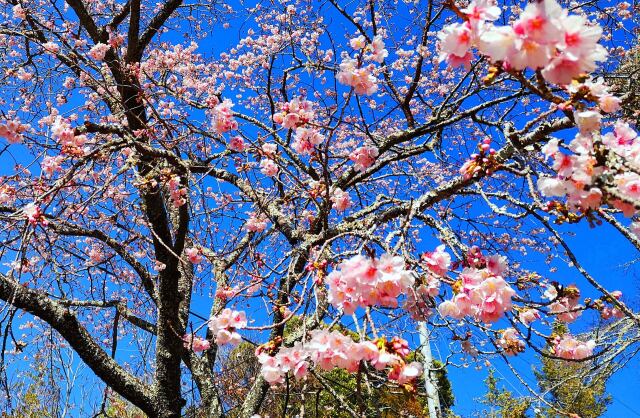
pixel 178 177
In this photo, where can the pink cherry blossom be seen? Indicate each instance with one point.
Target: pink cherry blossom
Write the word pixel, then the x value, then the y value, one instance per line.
pixel 568 347
pixel 96 254
pixel 269 149
pixel 358 43
pixel 225 324
pixel 364 281
pixel 237 144
pixel 404 373
pixel 341 200
pixel 223 120
pixel 510 342
pixel 63 132
pixel 529 53
pixel 34 215
pixel 528 316
pixel 609 103
pixel 364 157
pixel 497 42
pixel 455 40
pixel 608 313
pixel 12 131
pixel 482 10
pixel 19 12
pixel 7 195
pixel 377 50
pixel 577 172
pixel 296 113
pixel 360 78
pixel 256 222
pixel 449 308
pixel 565 67
pixel 268 167
pixel 194 255
pixel 544 37
pixel 270 369
pixel 24 75
pixel 541 22
pixel 51 165
pixel 438 261
pixel 51 47
pixel 484 293
pixel 580 38
pixel 305 139
pixel 98 51
pixel 331 349
pixel 496 264
pixel 195 343
pixel 566 309
pixel 177 191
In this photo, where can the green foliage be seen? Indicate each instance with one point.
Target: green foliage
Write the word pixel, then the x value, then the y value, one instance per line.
pixel 570 387
pixel 574 388
pixel 117 407
pixel 501 403
pixel 39 399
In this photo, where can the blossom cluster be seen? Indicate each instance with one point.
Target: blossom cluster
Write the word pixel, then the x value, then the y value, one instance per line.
pixel 482 162
pixel 565 307
pixel 568 347
pixel 7 194
pixel 360 78
pixel 545 36
pixel 597 91
pixel 510 342
pixel 177 192
pixel 194 255
pixel 295 113
pixel 437 265
pixel 195 343
pixel 65 135
pixel 375 51
pixel 341 200
pixel 256 222
pixel 223 120
pixel 35 215
pixel 12 131
pixel 354 73
pixel 268 167
pixel 481 291
pixel 224 326
pixel 237 144
pixel 51 47
pixel 305 139
pixel 528 316
pixel 51 164
pixel 364 157
pixel 331 349
pixel 438 261
pixel 368 281
pixel 98 51
pixel 607 312
pixel 578 174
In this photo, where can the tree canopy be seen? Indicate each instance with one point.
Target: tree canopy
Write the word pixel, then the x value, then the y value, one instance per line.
pixel 232 208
